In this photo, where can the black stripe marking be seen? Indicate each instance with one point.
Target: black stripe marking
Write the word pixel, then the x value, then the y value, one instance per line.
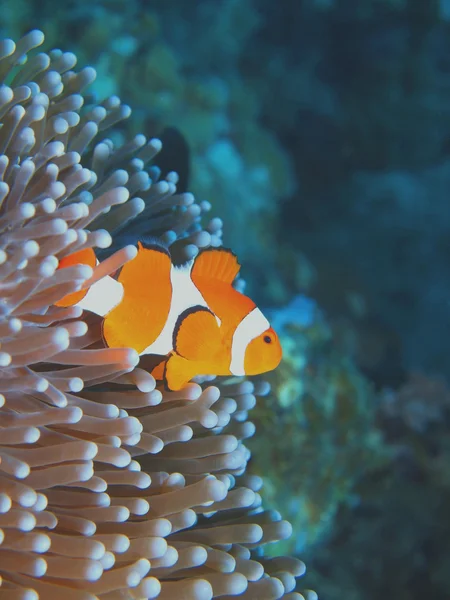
pixel 207 249
pixel 165 383
pixel 217 249
pixel 153 243
pixel 101 332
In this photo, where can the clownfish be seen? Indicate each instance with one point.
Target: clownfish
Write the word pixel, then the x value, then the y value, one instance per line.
pixel 188 316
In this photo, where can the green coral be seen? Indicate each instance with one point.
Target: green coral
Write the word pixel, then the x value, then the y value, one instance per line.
pixel 318 434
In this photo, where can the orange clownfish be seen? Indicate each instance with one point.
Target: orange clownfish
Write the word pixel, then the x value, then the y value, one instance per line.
pixel 189 315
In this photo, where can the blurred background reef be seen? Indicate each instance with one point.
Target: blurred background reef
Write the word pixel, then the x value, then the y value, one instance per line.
pixel 320 132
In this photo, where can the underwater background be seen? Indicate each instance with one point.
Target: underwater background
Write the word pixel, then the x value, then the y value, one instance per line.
pixel 319 130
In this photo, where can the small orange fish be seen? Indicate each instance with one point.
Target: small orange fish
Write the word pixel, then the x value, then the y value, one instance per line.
pixel 190 316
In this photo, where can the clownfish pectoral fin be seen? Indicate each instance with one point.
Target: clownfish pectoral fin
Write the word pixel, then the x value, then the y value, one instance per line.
pixel 81 257
pixel 141 315
pixel 178 371
pixel 197 334
pixel 215 264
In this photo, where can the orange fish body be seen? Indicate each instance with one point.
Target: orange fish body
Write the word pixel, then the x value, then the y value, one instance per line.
pixel 188 315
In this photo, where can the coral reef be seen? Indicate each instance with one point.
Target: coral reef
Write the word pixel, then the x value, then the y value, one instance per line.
pixel 357 95
pixel 402 508
pixel 109 487
pixel 362 105
pixel 321 420
pixel 173 76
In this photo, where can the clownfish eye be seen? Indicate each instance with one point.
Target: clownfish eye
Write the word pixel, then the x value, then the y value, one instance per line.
pixel 268 339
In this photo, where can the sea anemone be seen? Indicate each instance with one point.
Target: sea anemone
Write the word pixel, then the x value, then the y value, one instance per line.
pixel 110 487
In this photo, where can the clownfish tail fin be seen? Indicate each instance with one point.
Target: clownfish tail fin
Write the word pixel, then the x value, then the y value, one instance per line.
pixel 81 257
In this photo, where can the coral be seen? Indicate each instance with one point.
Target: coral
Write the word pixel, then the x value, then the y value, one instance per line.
pixel 361 103
pixel 180 67
pixel 321 423
pixel 109 487
pixel 418 404
pixel 405 499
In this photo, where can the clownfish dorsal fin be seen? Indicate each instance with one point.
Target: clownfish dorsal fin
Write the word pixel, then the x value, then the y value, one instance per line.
pixel 196 335
pixel 215 264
